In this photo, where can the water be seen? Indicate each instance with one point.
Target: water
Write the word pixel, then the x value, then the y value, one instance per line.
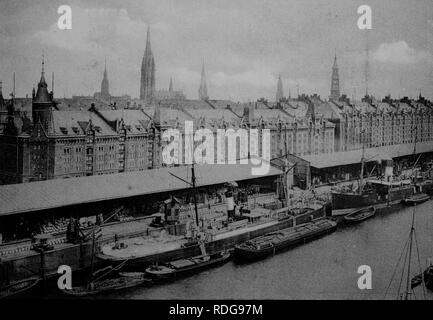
pixel 323 269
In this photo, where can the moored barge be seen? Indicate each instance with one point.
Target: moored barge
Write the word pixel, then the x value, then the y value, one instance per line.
pixel 184 267
pixel 273 242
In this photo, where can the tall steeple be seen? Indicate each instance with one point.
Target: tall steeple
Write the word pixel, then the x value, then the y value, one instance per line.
pixel 170 87
pixel 147 84
pixel 105 93
pixel 279 95
pixel 2 101
pixel 202 91
pixel 335 81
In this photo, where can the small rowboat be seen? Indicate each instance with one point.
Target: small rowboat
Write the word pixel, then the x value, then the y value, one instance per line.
pixel 18 287
pixel 360 215
pixel 108 285
pixel 416 199
pixel 184 267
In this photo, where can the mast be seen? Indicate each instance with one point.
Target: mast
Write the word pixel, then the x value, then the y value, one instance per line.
pixel 407 249
pixel 408 282
pixel 194 193
pixel 361 177
pixel 93 255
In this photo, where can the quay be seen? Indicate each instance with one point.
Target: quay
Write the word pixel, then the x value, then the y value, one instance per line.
pixel 140 197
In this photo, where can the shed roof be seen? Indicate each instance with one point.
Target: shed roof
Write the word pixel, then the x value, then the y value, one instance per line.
pixel 40 195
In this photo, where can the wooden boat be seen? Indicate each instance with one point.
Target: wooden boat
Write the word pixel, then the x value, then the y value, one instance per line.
pixel 416 199
pixel 270 243
pixel 108 285
pixel 19 287
pixel 359 215
pixel 182 267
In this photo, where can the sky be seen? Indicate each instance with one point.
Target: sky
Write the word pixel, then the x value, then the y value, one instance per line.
pixel 245 45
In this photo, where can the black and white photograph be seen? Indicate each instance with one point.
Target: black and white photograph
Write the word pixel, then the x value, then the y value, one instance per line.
pixel 230 150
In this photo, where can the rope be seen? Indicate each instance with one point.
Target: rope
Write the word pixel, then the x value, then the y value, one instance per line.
pixel 419 263
pixel 402 273
pixel 395 269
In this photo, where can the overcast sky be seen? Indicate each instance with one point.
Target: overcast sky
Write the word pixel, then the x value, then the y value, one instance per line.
pixel 245 45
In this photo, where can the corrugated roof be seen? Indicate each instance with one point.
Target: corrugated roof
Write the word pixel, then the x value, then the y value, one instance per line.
pixel 26 197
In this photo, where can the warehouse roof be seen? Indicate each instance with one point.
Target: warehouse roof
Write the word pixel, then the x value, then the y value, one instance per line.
pixel 40 195
pixel 325 160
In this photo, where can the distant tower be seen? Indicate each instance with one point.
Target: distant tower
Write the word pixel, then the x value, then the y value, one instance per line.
pixel 202 91
pixel 105 94
pixel 3 108
pixel 280 93
pixel 42 103
pixel 2 101
pixel 170 87
pixel 147 84
pixel 335 81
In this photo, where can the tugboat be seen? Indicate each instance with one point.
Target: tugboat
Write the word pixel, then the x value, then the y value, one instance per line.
pixel 183 267
pixel 273 242
pixel 359 215
pixel 373 192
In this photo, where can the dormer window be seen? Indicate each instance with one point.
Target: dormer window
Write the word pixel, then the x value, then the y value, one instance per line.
pixel 75 129
pixel 64 130
pixel 97 129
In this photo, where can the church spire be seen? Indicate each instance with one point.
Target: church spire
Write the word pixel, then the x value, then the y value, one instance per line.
pixel 2 101
pixel 170 87
pixel 148 46
pixel 42 94
pixel 105 93
pixel 335 81
pixel 202 91
pixel 147 83
pixel 279 95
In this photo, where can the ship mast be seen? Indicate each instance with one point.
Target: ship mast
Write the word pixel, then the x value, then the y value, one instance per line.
pixel 194 189
pixel 194 193
pixel 361 177
pixel 407 249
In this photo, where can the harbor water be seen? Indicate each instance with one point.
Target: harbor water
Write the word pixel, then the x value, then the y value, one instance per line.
pixel 323 269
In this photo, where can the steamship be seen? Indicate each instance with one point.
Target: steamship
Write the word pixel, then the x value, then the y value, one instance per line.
pixel 389 191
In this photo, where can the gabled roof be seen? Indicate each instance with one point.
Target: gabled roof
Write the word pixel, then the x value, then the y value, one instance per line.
pixel 65 123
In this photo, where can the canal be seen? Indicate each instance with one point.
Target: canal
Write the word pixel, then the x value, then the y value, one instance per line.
pixel 323 269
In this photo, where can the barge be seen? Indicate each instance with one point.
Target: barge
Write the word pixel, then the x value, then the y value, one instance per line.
pixel 274 242
pixel 184 267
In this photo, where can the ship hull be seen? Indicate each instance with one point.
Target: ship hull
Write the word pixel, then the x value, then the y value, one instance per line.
pixel 244 254
pixel 211 247
pixel 352 200
pixel 184 272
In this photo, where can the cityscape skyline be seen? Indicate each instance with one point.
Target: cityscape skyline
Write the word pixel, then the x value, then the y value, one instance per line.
pixel 396 67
